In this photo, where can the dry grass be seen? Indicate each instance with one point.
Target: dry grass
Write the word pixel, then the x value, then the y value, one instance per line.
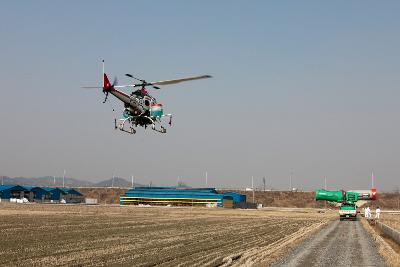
pixel 387 201
pixel 286 199
pixel 103 195
pixel 49 235
pixel 393 220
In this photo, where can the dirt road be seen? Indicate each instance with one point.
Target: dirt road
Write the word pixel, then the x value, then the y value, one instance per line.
pixel 343 243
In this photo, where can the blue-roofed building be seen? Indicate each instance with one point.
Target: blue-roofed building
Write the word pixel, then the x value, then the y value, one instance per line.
pixel 55 193
pixel 15 191
pixel 72 196
pixel 179 196
pixel 236 197
pixel 61 193
pixel 41 194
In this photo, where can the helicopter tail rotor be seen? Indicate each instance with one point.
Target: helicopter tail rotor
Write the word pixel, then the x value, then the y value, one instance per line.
pixel 106 84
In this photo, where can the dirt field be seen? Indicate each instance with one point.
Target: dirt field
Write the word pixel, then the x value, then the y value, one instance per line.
pixel 48 235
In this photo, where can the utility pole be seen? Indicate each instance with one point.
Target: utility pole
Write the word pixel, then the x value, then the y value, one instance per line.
pixel 264 183
pixel 112 181
pixel 325 188
pixel 132 181
pixel 252 186
pixel 398 199
pixel 64 178
pixel 372 179
pixel 54 180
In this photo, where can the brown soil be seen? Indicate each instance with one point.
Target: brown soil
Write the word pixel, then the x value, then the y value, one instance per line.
pixel 73 235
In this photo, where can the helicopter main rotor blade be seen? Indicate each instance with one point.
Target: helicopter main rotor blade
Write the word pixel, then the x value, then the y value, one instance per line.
pixel 125 86
pixel 144 83
pixel 167 82
pixel 133 77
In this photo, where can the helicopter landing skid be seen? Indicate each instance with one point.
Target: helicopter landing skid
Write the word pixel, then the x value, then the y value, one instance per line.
pixel 153 125
pixel 161 130
pixel 121 125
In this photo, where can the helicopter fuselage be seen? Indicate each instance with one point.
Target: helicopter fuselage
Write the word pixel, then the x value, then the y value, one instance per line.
pixel 138 103
pixel 140 109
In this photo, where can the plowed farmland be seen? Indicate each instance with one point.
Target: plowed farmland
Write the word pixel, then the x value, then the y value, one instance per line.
pixel 55 235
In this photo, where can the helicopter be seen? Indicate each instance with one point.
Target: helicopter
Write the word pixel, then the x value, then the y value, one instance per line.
pixel 140 108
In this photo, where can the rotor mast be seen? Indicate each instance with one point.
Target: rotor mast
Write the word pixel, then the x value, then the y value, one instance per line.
pixel 102 77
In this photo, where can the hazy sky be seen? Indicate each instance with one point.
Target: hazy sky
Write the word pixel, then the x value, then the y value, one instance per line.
pixel 309 87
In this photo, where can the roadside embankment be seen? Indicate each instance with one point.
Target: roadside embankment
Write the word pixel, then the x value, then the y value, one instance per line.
pixel 389 231
pixel 389 250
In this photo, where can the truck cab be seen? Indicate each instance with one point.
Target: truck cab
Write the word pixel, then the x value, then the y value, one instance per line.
pixel 348 211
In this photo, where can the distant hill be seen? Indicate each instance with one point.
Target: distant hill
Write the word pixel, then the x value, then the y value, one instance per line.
pixel 68 182
pixel 116 182
pixel 46 181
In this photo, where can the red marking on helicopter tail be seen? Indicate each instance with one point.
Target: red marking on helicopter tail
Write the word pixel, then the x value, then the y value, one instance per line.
pixel 107 85
pixel 373 190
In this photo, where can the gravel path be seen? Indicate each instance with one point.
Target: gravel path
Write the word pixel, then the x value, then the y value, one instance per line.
pixel 342 243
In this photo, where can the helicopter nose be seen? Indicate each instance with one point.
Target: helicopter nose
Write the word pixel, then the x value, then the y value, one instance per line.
pixel 156 110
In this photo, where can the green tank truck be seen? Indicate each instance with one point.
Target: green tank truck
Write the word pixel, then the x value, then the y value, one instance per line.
pixel 347 199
